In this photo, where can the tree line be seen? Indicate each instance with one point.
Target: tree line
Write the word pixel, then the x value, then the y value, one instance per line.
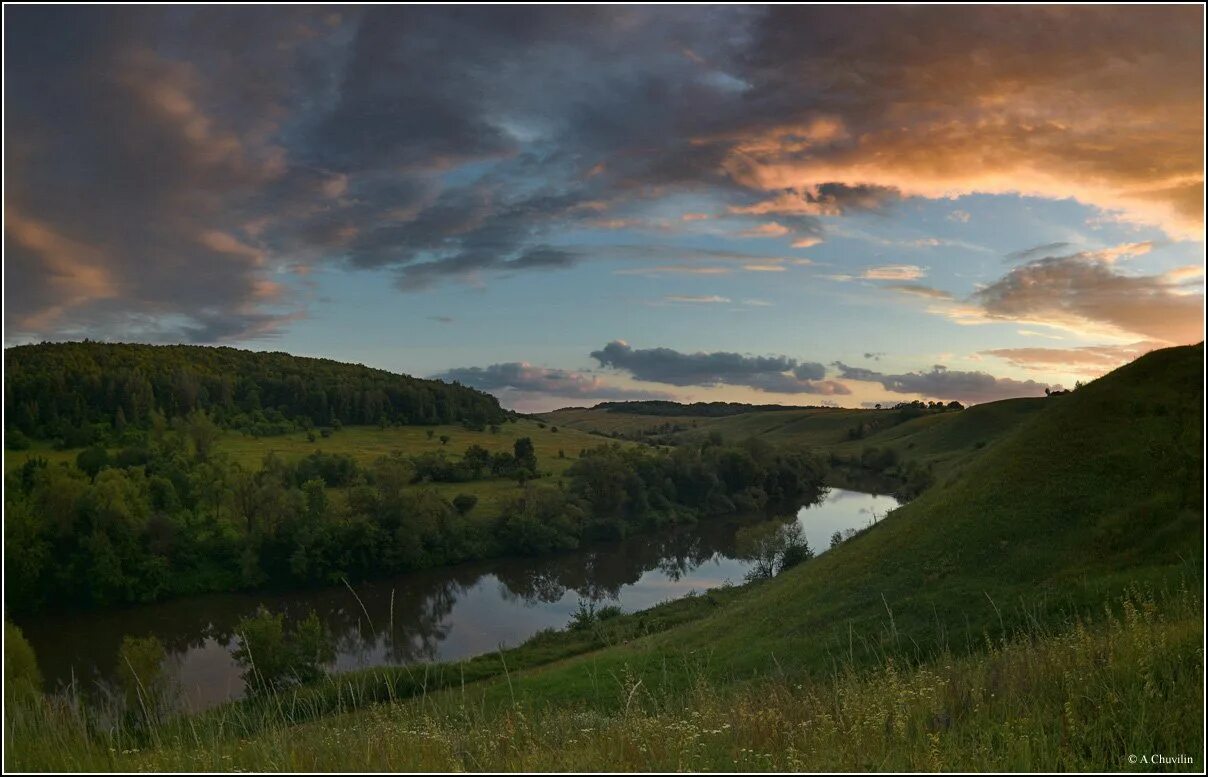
pixel 85 392
pixel 172 516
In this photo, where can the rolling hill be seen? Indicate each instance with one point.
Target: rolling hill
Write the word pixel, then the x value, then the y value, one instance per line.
pixel 1040 608
pixel 79 391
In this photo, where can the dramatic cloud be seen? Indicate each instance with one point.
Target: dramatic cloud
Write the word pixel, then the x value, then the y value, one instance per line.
pixel 942 383
pixel 125 188
pixel 826 199
pixel 526 378
pixel 172 172
pixel 938 103
pixel 1084 292
pixel 778 374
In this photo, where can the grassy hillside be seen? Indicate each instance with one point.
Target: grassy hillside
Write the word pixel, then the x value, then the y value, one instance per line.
pixel 938 440
pixel 1038 609
pixel 1100 489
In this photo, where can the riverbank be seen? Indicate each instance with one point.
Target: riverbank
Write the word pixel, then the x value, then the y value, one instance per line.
pixel 434 615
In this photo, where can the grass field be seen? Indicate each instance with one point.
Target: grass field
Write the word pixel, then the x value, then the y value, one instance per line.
pixel 1038 609
pixel 940 440
pixel 556 450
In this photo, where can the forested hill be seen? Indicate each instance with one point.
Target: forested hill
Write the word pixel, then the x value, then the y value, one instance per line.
pixel 54 390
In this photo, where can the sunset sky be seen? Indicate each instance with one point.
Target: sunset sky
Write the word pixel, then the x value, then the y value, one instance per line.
pixel 800 205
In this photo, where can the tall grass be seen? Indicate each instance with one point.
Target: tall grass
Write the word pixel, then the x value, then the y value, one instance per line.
pixel 1084 695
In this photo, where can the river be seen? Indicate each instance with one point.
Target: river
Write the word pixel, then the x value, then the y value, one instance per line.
pixel 435 615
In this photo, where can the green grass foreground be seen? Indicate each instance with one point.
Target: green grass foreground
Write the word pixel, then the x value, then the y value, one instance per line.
pixel 1037 608
pixel 1083 696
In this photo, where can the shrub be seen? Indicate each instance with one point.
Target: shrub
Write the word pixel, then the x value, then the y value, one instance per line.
pixel 587 615
pixel 608 611
pixel 92 460
pixel 273 658
pixel 795 554
pixel 464 503
pixel 140 667
pixel 22 679
pixel 773 548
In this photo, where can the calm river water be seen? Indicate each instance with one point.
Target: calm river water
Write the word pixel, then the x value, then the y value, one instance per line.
pixel 435 615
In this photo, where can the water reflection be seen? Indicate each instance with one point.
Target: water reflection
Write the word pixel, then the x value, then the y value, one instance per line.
pixel 443 614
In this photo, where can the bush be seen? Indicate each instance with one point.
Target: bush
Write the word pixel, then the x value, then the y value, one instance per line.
pixel 140 667
pixel 16 441
pixel 608 612
pixel 773 548
pixel 274 658
pixel 92 460
pixel 542 520
pixel 22 679
pixel 464 503
pixel 796 554
pixel 586 615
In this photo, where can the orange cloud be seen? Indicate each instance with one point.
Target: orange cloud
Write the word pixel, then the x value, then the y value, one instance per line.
pixel 168 90
pixel 225 243
pixel 1104 105
pixel 1087 360
pixel 770 229
pixel 74 273
pixel 1084 294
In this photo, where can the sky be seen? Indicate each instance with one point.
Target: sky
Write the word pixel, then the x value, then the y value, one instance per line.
pixel 835 205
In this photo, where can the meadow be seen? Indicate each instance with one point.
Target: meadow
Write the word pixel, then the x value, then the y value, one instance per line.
pixel 556 449
pixel 1037 607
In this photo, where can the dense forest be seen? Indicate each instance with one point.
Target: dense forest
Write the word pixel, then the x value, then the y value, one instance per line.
pixel 171 515
pixel 81 393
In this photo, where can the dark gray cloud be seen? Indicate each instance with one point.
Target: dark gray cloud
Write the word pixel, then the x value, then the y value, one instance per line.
pixel 942 383
pixel 825 199
pixel 164 165
pixel 779 374
pixel 527 378
pixel 124 189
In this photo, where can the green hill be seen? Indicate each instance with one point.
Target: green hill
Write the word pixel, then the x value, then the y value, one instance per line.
pixel 82 392
pixel 1099 489
pixel 937 442
pixel 1039 609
